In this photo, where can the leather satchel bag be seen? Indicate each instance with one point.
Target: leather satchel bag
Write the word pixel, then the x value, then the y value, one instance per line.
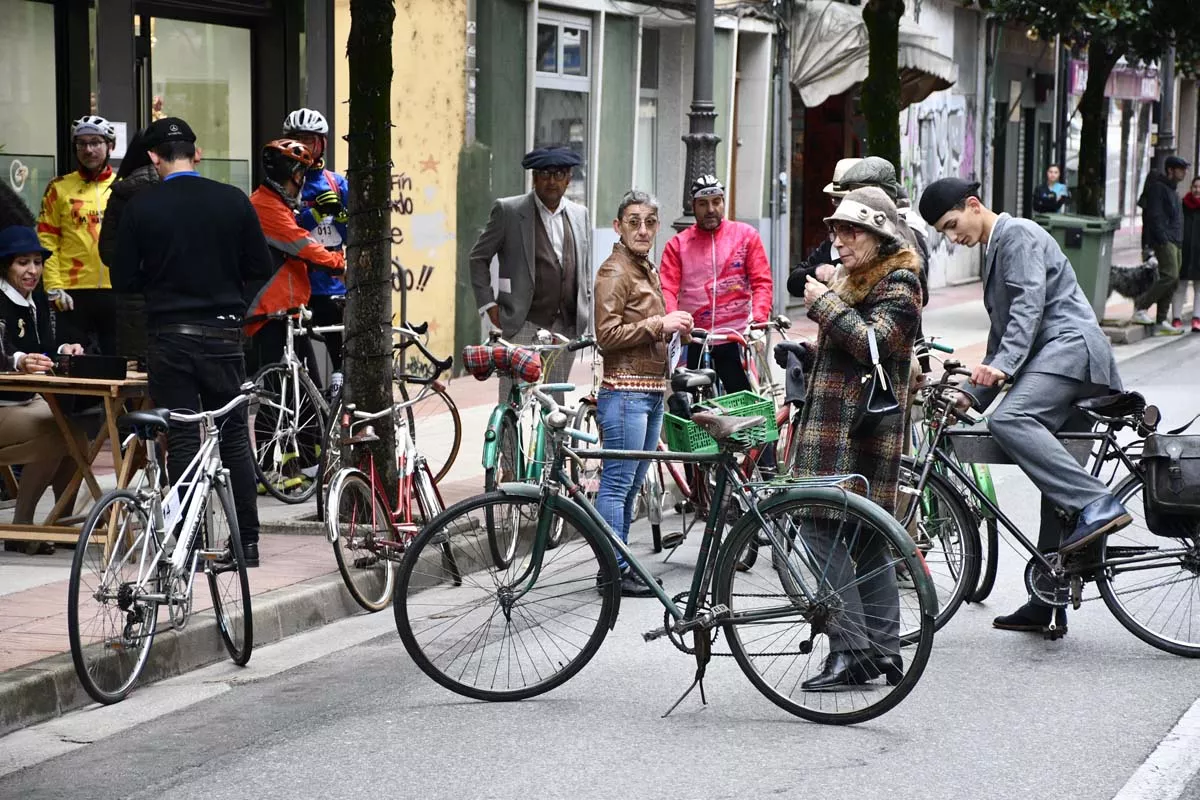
pixel 878 399
pixel 1172 483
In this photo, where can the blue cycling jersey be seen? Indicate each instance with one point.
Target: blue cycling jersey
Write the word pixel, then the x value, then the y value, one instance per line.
pixel 325 230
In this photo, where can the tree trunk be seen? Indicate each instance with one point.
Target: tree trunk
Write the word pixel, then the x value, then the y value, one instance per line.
pixel 368 342
pixel 881 90
pixel 1093 114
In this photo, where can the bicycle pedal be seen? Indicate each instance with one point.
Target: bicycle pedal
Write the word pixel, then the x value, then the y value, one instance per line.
pixel 651 635
pixel 673 539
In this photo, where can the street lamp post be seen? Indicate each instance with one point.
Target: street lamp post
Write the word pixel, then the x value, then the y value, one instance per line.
pixel 701 138
pixel 1166 116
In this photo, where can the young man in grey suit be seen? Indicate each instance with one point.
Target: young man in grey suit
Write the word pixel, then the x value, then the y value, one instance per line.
pixel 1045 341
pixel 544 245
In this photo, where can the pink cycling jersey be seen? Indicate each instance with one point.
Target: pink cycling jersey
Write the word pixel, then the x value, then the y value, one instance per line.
pixel 722 277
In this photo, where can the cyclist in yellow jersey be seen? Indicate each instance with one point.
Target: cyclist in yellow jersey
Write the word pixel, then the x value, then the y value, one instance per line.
pixel 75 278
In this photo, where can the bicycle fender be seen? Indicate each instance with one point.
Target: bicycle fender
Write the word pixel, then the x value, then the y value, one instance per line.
pixel 331 525
pixel 579 519
pixel 860 505
pixel 983 480
pixel 491 435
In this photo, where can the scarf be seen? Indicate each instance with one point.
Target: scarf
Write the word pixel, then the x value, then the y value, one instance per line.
pixel 854 286
pixel 1191 201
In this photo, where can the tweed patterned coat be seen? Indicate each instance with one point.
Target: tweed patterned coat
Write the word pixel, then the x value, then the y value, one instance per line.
pixel 886 293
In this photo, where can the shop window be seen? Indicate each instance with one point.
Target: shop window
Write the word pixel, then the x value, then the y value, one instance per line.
pixel 563 87
pixel 646 156
pixel 29 124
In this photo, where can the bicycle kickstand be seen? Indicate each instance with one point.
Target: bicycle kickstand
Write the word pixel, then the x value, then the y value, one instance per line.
pixel 703 644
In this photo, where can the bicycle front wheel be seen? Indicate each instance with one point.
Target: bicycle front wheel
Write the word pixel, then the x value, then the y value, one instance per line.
pixel 224 563
pixel 288 424
pixel 435 426
pixel 587 475
pixel 366 545
pixel 507 468
pixel 331 454
pixel 110 622
pixel 828 589
pixel 509 631
pixel 1151 582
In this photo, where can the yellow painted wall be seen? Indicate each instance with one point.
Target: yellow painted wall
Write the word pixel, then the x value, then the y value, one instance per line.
pixel 428 112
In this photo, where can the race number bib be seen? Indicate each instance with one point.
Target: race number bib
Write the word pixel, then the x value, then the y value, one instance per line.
pixel 326 234
pixel 674 352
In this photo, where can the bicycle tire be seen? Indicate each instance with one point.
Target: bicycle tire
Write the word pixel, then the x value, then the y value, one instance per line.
pixel 991 562
pixel 440 451
pixel 235 619
pixel 284 456
pixel 955 574
pixel 764 658
pixel 588 477
pixel 331 453
pixel 365 559
pixel 515 655
pixel 507 468
pixel 1135 539
pixel 100 661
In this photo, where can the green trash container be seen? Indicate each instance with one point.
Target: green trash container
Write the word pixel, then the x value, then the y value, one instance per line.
pixel 1088 243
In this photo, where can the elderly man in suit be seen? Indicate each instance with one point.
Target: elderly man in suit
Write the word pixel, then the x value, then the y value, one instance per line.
pixel 1045 341
pixel 543 241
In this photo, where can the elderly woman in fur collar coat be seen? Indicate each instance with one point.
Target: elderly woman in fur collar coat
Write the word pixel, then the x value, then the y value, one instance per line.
pixel 877 286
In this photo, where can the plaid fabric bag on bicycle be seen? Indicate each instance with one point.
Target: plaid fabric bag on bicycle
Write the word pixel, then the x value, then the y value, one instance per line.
pixel 482 360
pixel 1172 486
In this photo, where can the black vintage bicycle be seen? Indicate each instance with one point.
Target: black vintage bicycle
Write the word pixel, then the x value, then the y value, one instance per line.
pixel 1150 582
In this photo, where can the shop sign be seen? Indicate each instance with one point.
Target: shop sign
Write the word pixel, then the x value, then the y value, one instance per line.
pixel 28 176
pixel 1124 83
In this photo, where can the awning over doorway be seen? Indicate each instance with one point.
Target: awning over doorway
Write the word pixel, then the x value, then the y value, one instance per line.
pixel 829 55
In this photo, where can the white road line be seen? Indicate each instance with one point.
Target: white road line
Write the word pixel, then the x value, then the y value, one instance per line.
pixel 31 746
pixel 1166 773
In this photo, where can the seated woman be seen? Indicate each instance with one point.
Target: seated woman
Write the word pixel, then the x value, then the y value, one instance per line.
pixel 28 433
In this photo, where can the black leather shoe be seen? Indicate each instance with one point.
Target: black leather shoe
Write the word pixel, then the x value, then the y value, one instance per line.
pixel 250 552
pixel 1031 618
pixel 633 586
pixel 842 669
pixel 1096 519
pixel 890 667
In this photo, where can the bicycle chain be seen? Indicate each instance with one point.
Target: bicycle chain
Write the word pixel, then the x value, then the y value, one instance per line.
pixel 679 645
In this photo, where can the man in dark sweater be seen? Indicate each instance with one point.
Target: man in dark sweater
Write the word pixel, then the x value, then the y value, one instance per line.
pixel 1162 232
pixel 190 245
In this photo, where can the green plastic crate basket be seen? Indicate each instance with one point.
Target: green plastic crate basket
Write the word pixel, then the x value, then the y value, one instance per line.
pixel 685 436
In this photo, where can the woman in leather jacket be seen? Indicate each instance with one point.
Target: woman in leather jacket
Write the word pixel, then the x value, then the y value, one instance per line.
pixel 632 331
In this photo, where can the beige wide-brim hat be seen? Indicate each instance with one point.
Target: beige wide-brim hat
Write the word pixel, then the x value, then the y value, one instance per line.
pixel 839 171
pixel 872 210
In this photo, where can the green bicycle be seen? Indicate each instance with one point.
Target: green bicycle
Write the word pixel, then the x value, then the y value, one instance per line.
pixel 508 632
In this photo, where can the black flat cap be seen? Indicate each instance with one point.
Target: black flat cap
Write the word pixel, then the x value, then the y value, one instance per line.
pixel 167 129
pixel 1175 162
pixel 551 158
pixel 943 195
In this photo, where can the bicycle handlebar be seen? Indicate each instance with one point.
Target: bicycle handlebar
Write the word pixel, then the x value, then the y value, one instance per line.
pixel 556 418
pixel 243 397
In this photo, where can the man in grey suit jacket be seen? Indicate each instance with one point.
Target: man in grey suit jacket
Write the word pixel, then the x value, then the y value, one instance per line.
pixel 1045 341
pixel 544 245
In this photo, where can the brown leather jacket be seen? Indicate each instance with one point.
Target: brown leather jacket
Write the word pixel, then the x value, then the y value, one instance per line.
pixel 629 320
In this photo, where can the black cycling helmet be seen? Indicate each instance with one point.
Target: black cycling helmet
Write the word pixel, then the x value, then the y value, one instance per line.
pixel 283 159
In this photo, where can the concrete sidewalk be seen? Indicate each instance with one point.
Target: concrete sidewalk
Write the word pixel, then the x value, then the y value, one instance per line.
pixel 297 587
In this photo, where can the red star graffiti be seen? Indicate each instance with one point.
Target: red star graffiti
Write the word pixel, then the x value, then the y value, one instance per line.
pixel 429 165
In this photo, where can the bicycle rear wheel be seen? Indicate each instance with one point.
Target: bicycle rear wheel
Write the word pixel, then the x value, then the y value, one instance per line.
pixel 435 426
pixel 224 563
pixel 1151 583
pixel 110 624
pixel 288 425
pixel 828 585
pixel 507 468
pixel 502 635
pixel 367 546
pixel 947 534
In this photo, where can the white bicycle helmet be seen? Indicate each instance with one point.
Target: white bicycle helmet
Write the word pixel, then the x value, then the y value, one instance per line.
pixel 305 120
pixel 94 126
pixel 707 186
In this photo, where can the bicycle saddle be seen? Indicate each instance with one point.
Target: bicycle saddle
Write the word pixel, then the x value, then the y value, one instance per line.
pixel 146 423
pixel 1114 406
pixel 723 428
pixel 685 379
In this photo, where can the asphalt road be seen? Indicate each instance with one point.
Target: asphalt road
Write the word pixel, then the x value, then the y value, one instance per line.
pixel 343 712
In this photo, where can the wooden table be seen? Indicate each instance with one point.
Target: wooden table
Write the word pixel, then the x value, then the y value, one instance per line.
pixel 57 527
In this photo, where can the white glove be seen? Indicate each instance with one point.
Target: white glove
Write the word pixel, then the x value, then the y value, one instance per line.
pixel 61 300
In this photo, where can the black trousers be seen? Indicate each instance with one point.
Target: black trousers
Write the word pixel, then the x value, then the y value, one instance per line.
pixel 195 374
pixel 327 311
pixel 93 321
pixel 266 347
pixel 727 361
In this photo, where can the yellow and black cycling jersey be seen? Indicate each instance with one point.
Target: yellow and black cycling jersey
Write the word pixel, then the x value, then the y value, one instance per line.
pixel 69 227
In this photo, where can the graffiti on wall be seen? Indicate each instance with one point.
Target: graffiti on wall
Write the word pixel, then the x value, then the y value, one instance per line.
pixel 937 140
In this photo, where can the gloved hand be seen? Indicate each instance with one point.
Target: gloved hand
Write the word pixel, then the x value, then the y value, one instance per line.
pixel 61 300
pixel 328 204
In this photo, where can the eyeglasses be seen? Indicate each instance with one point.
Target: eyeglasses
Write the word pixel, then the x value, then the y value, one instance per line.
pixel 847 233
pixel 88 144
pixel 557 174
pixel 634 223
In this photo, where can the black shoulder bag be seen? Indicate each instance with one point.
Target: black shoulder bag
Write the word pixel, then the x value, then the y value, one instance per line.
pixel 878 399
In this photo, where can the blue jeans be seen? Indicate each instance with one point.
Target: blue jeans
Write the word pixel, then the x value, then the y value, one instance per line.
pixel 628 421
